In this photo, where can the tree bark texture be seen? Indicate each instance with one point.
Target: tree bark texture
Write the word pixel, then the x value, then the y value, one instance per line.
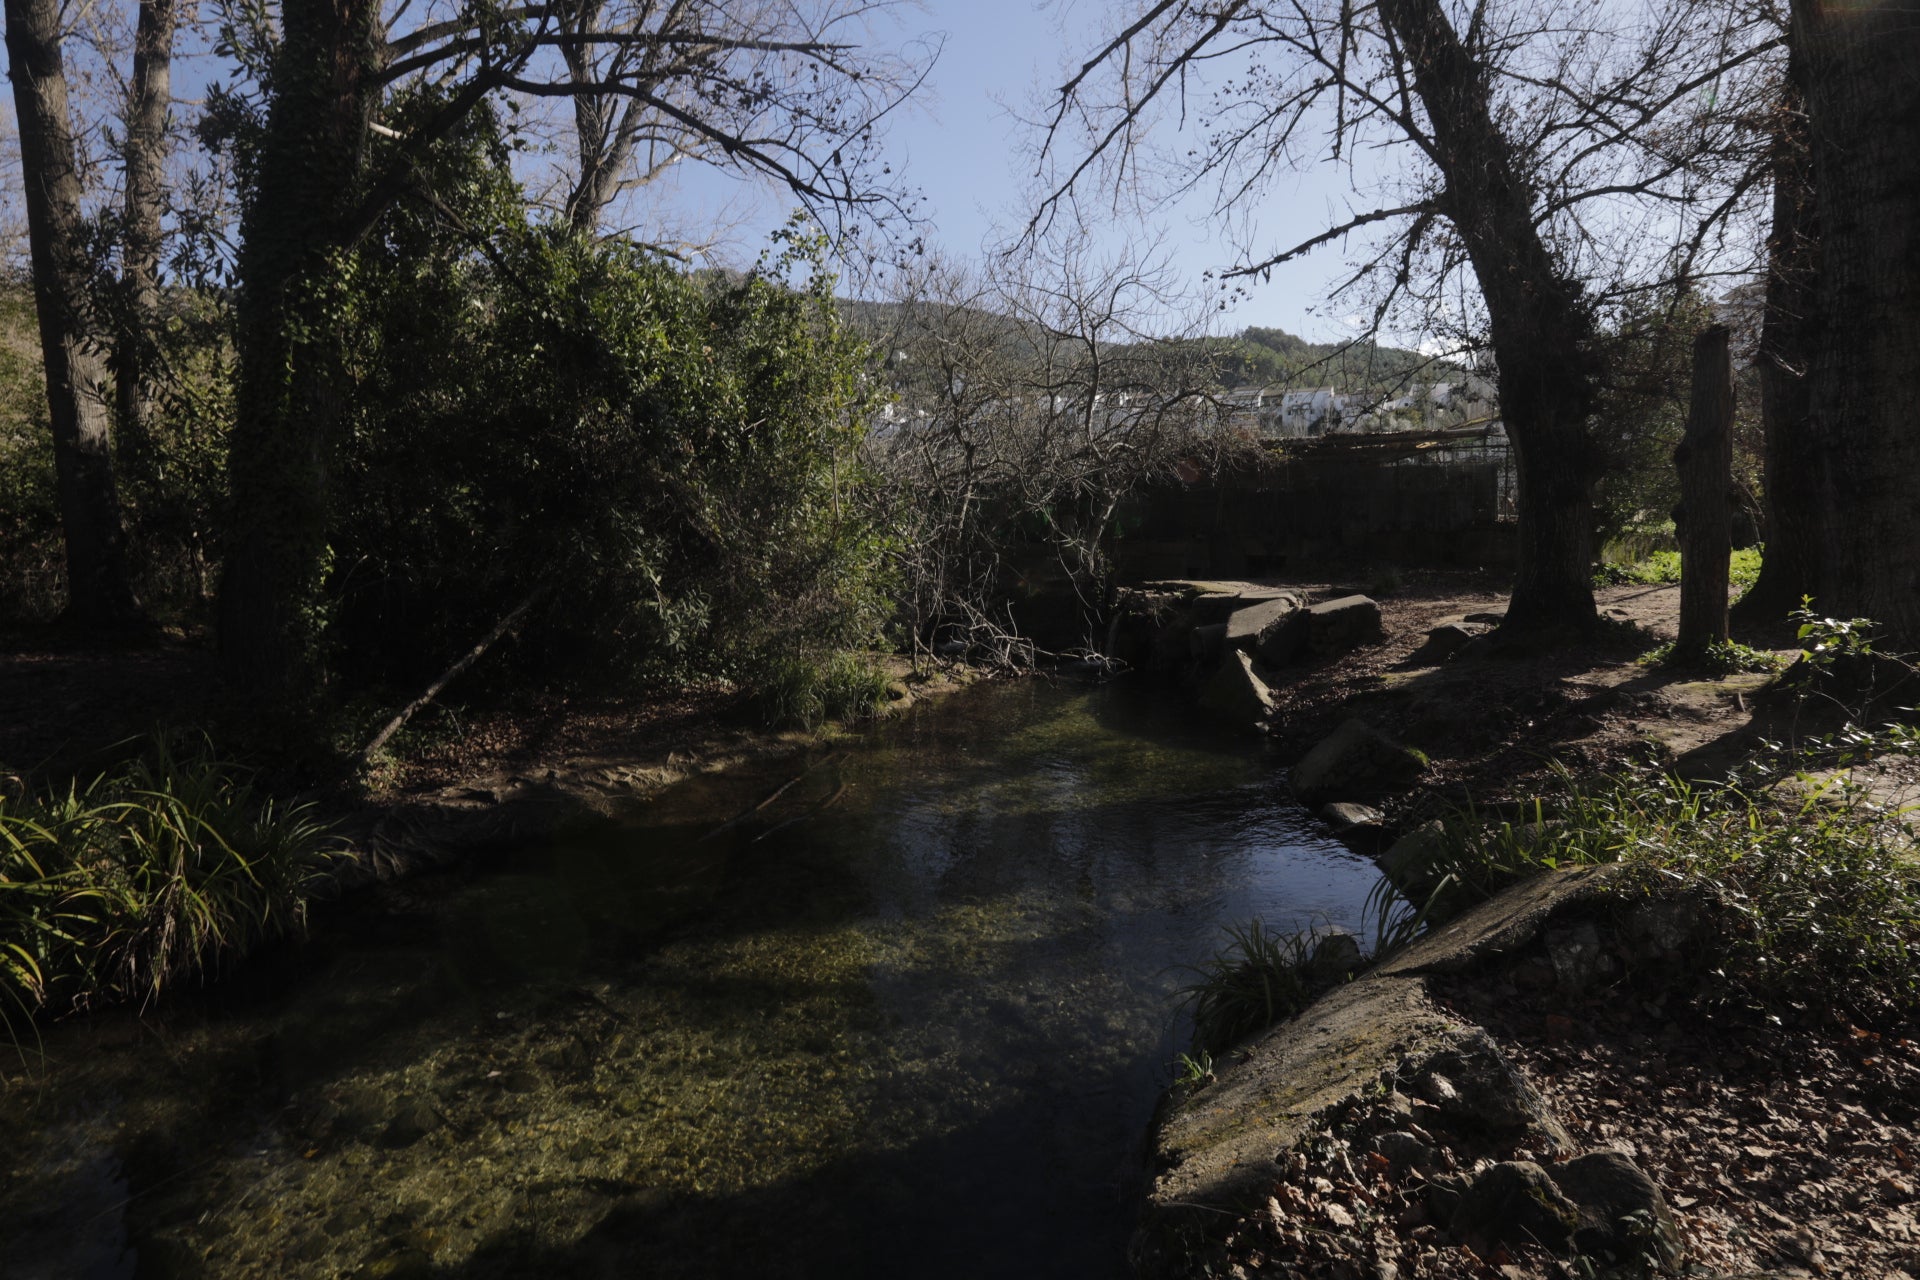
pixel 1705 518
pixel 1794 461
pixel 1542 330
pixel 99 593
pixel 1863 122
pixel 144 154
pixel 292 304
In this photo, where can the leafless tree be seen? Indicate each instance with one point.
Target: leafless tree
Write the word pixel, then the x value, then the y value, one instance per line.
pixel 1032 396
pixel 99 590
pixel 1555 158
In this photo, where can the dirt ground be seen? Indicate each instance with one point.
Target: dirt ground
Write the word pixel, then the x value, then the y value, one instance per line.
pixel 1784 1147
pixel 1493 725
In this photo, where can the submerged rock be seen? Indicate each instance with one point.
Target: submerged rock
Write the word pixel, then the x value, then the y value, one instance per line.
pixel 1359 826
pixel 1356 760
pixel 413 1119
pixel 1343 816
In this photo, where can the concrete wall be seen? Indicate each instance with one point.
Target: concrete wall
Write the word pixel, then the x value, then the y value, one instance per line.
pixel 1296 515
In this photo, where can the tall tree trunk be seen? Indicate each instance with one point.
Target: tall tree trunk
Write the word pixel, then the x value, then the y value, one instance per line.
pixel 145 156
pixel 1794 460
pixel 1863 84
pixel 98 590
pixel 1542 330
pixel 291 405
pixel 1705 518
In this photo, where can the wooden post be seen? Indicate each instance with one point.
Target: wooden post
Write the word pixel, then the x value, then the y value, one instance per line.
pixel 1704 518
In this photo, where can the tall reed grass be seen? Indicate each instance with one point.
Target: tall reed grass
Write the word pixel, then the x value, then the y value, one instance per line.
pixel 117 888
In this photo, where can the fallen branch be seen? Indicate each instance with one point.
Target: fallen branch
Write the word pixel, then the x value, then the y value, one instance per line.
pixel 448 676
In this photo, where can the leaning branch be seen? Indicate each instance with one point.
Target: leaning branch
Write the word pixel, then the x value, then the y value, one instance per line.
pixel 1332 233
pixel 451 674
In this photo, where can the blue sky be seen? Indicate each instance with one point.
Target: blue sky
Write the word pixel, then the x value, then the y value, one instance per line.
pixel 960 144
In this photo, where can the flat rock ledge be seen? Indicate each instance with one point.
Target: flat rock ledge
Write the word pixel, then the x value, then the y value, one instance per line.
pixel 1220 1150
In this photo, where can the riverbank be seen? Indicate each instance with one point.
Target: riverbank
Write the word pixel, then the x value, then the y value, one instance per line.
pixel 1770 1136
pixel 468 778
pixel 1654 1062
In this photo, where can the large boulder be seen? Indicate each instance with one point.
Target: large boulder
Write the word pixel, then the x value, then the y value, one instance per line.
pixel 1442 643
pixel 1237 692
pixel 1515 1202
pixel 1206 642
pixel 1217 606
pixel 1623 1218
pixel 1355 761
pixel 1335 626
pixel 1248 626
pixel 1478 1094
pixel 1284 640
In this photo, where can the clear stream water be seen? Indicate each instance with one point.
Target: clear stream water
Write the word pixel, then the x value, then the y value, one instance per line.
pixel 911 1019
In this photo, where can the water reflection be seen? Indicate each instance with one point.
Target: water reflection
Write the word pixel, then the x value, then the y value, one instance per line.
pixel 914 1013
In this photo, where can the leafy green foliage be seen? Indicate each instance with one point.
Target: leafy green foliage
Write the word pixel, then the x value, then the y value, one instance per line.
pixel 118 888
pixel 1823 640
pixel 1479 858
pixel 1662 566
pixel 1721 658
pixel 32 557
pixel 1641 415
pixel 172 480
pixel 674 455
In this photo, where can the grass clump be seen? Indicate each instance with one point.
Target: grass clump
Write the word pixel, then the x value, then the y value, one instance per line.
pixel 1808 892
pixel 808 692
pixel 121 887
pixel 1257 979
pixel 1720 658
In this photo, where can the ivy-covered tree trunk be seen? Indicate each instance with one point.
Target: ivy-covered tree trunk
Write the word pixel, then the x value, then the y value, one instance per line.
pixel 99 593
pixel 144 152
pixel 1542 331
pixel 290 311
pixel 1863 81
pixel 1794 462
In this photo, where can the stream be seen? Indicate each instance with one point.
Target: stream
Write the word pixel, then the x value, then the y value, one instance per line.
pixel 909 1019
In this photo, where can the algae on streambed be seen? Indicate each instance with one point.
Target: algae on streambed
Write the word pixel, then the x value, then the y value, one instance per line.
pixel 914 1013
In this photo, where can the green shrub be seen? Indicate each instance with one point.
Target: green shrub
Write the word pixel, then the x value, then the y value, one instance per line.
pixel 118 888
pixel 674 454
